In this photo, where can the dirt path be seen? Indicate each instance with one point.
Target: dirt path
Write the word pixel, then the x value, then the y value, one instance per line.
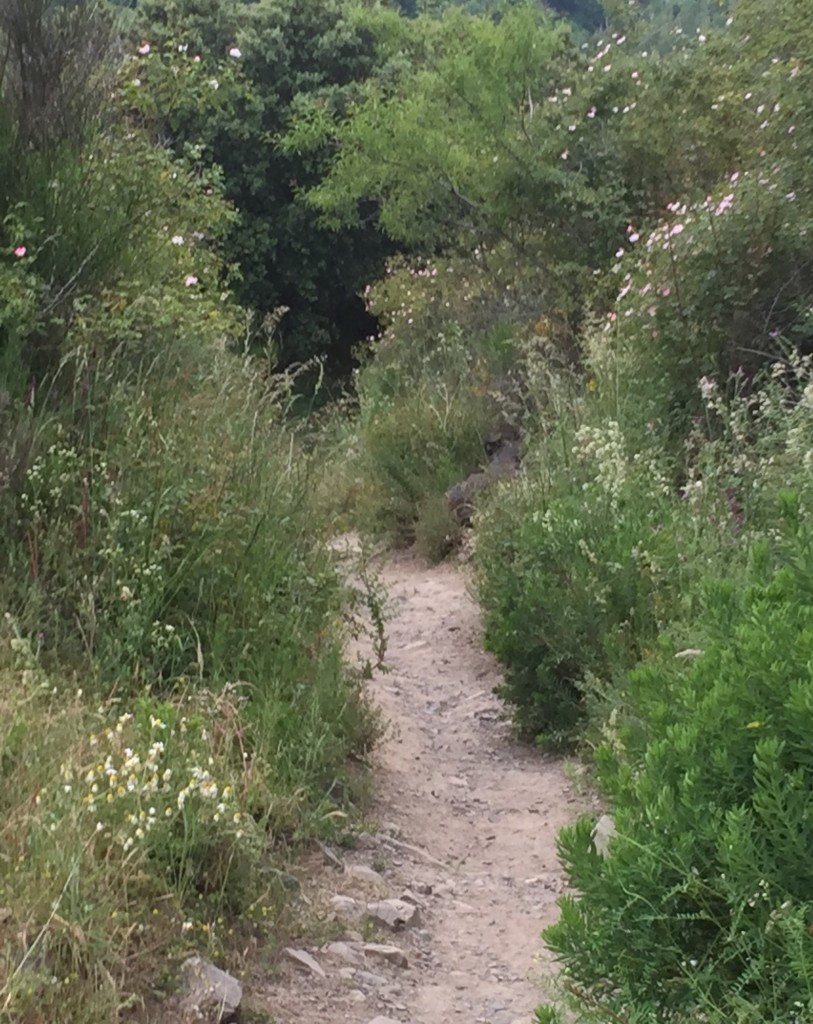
pixel 466 829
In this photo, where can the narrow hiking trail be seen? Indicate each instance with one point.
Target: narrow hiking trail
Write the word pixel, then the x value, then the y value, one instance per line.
pixel 466 821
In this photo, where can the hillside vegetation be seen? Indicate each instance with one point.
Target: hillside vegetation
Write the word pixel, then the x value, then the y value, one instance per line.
pixel 176 713
pixel 599 243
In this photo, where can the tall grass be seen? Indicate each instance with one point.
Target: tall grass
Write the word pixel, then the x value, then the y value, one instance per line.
pixel 167 581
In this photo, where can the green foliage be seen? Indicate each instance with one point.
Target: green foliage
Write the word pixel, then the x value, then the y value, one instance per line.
pixel 437 531
pixel 708 875
pixel 428 397
pixel 574 569
pixel 454 140
pixel 501 134
pixel 413 450
pixel 70 198
pixel 176 711
pixel 223 80
pixel 717 289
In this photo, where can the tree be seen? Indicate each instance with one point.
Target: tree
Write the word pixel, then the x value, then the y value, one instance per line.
pixel 284 53
pixel 459 143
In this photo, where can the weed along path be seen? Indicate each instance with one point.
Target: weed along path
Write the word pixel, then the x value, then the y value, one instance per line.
pixel 436 914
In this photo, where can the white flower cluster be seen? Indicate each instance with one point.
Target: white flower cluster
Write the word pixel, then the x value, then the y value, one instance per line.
pixel 603 449
pixel 130 792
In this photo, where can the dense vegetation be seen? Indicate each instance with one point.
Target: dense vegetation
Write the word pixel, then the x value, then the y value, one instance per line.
pixel 601 242
pixel 614 256
pixel 176 712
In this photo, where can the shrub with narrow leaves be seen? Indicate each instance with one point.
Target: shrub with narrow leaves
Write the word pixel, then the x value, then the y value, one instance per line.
pixel 708 878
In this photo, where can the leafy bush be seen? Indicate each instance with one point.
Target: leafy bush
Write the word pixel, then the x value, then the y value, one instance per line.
pixel 575 570
pixel 719 288
pixel 413 451
pixel 437 381
pixel 708 877
pixel 603 541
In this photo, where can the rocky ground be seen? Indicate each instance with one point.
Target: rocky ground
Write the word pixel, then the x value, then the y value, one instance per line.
pixel 435 916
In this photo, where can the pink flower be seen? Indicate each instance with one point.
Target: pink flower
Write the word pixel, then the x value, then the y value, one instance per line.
pixel 666 292
pixel 190 280
pixel 144 49
pixel 676 230
pixel 20 251
pixel 235 52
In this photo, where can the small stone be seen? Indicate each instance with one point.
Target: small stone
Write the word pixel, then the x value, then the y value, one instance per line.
pixel 343 951
pixel 370 978
pixel 394 914
pixel 346 907
pixel 304 959
pixel 364 874
pixel 393 954
pixel 210 989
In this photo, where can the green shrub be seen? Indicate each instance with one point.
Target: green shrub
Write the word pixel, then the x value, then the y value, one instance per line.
pixel 415 451
pixel 423 414
pixel 708 879
pixel 717 290
pixel 437 531
pixel 165 563
pixel 573 571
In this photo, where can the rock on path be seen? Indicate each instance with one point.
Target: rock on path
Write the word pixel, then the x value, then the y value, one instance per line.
pixel 467 831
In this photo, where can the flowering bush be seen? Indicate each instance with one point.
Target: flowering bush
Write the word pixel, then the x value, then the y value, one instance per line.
pixel 716 289
pixel 575 573
pixel 131 834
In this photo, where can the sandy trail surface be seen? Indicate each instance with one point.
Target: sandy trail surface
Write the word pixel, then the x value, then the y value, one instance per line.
pixel 465 824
